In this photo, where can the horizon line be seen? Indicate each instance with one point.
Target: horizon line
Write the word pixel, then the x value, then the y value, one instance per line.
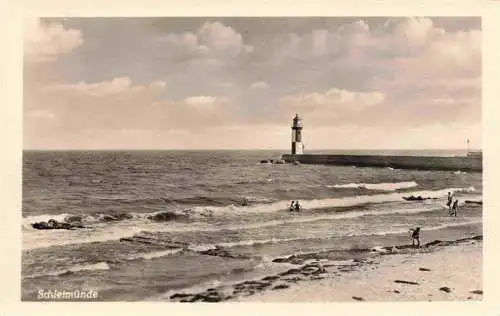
pixel 245 149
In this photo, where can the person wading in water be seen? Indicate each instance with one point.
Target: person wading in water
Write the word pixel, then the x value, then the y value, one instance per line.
pixel 450 198
pixel 298 208
pixel 295 207
pixel 415 236
pixel 454 208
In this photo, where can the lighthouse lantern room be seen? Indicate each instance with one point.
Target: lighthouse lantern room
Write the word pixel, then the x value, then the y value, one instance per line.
pixel 297 146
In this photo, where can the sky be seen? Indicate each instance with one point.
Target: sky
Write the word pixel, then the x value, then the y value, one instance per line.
pixel 236 83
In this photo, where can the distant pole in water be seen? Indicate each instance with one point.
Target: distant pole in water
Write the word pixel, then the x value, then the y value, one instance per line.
pixel 468 146
pixel 297 146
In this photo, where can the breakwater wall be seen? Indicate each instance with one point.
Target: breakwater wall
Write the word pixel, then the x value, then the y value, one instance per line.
pixel 463 163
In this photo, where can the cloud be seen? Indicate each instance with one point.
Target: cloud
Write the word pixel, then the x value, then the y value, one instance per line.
pixel 259 85
pixel 116 87
pixel 396 79
pixel 200 100
pixel 403 37
pixel 418 70
pixel 80 112
pixel 323 43
pixel 401 47
pixel 44 42
pixel 217 37
pixel 211 40
pixel 207 104
pixel 320 108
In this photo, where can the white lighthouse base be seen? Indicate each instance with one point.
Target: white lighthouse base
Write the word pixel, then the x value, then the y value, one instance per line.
pixel 299 148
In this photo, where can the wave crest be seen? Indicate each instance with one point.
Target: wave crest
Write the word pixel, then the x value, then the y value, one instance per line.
pixel 199 212
pixel 376 186
pixel 78 268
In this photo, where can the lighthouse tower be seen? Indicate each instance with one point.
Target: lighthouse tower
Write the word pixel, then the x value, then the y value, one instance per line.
pixel 297 147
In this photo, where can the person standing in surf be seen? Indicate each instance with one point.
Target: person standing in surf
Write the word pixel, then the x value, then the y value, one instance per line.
pixel 298 208
pixel 450 198
pixel 295 207
pixel 454 208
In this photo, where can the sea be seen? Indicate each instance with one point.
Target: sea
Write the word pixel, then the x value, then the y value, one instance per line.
pixel 149 217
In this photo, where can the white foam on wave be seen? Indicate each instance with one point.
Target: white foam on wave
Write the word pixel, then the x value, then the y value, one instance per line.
pixel 251 242
pixel 34 239
pixel 209 211
pixel 295 220
pixel 327 217
pixel 379 249
pixel 28 220
pixel 376 186
pixel 405 230
pixel 78 268
pixel 86 219
pixel 155 254
pixel 91 267
pixel 113 231
pixel 241 243
pixel 376 233
pixel 232 210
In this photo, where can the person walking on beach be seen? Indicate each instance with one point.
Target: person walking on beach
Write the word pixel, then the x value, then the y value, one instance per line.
pixel 415 236
pixel 292 206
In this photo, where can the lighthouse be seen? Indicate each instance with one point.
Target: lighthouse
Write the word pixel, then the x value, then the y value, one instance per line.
pixel 297 147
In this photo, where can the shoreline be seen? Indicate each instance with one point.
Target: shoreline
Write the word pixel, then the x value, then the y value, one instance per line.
pixel 438 271
pixel 380 270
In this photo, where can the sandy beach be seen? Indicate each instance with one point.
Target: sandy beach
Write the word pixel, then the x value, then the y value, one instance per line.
pixel 446 273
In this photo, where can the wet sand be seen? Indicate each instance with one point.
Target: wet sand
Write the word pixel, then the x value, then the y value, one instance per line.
pixel 438 271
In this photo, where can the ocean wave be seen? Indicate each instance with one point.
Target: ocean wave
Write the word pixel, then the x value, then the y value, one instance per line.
pixel 155 254
pixel 146 230
pixel 199 212
pixel 40 239
pixel 83 219
pixel 192 200
pixel 314 204
pixel 376 186
pixel 36 239
pixel 205 247
pixel 405 230
pixel 334 216
pixel 251 242
pixel 28 220
pixel 140 222
pixel 78 268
